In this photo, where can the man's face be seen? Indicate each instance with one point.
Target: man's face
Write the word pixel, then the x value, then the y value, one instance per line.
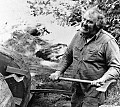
pixel 88 23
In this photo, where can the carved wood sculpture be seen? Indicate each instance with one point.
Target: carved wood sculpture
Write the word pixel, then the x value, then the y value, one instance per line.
pixel 20 89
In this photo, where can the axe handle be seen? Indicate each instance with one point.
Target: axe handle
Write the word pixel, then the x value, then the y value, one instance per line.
pixel 102 88
pixel 74 80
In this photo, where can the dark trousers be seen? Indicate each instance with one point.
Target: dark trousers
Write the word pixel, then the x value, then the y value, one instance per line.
pixel 85 95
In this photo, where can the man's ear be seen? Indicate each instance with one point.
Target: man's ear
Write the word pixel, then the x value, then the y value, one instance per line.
pixel 100 23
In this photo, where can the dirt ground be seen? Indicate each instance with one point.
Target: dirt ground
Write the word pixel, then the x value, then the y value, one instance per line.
pixel 50 100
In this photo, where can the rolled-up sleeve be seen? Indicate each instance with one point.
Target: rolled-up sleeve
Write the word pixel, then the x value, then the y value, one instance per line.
pixel 112 54
pixel 67 58
pixel 66 61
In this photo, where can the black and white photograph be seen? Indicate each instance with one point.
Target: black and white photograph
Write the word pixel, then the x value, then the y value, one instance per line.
pixel 59 53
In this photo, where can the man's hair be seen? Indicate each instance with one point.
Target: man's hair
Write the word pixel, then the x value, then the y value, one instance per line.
pixel 95 13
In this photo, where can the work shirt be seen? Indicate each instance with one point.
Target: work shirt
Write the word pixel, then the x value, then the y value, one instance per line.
pixel 100 56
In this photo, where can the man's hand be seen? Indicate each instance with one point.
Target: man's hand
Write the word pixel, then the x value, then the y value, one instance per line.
pixel 55 76
pixel 98 82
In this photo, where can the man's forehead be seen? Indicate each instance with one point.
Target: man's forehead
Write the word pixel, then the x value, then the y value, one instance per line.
pixel 90 15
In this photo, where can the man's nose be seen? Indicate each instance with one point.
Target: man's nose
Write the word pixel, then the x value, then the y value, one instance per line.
pixel 84 22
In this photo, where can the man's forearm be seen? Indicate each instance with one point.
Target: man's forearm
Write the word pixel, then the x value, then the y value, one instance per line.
pixel 62 67
pixel 65 62
pixel 112 72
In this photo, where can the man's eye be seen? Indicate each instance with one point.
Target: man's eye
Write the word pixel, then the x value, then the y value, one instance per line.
pixel 83 19
pixel 90 21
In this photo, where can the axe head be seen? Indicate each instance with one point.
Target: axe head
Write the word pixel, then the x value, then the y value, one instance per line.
pixel 104 87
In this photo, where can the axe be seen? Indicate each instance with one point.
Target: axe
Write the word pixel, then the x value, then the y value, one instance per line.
pixel 101 88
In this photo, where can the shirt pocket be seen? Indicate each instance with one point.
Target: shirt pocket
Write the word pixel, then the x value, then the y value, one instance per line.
pixel 92 53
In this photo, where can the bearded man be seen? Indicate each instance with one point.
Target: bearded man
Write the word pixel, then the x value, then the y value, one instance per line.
pixel 95 56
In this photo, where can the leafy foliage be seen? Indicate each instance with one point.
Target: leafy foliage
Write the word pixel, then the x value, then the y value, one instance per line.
pixel 111 8
pixel 60 9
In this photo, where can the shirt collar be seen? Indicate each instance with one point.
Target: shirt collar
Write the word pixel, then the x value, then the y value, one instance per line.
pixel 99 33
pixel 95 36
